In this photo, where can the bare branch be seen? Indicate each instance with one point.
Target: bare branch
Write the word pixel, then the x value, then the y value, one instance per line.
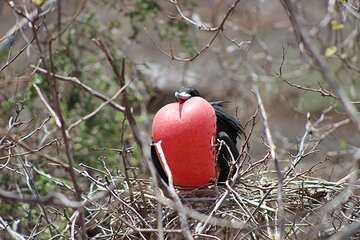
pixel 305 39
pixel 217 30
pixel 82 85
pixel 47 105
pixel 55 199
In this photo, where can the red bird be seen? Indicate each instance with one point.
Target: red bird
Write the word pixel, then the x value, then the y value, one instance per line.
pixel 188 131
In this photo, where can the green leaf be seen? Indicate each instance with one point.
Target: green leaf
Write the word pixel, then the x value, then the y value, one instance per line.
pixel 335 25
pixel 330 51
pixel 37 2
pixel 343 145
pixel 38 79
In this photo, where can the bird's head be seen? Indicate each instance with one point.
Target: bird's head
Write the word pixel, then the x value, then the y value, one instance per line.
pixel 185 93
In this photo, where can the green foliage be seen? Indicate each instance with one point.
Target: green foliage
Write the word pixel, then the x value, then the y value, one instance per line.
pixel 330 51
pixel 104 129
pixel 144 9
pixel 343 145
pixel 335 25
pixel 178 31
pixel 11 210
pixel 44 185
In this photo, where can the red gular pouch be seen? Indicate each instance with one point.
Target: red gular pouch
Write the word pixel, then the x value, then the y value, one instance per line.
pixel 187 132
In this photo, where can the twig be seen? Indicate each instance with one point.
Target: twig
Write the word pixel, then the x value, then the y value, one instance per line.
pixel 17 55
pixel 98 109
pixel 32 151
pixel 24 23
pixel 305 39
pixel 55 199
pixel 213 211
pixel 321 90
pixel 217 30
pixel 177 203
pixel 35 130
pixel 272 147
pixel 85 87
pixel 47 105
pixel 11 232
pixel 144 147
pixel 65 134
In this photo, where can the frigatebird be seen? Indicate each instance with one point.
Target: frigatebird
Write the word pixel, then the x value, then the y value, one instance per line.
pixel 228 129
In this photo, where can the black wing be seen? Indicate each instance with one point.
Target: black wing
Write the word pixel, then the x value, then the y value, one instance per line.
pixel 228 129
pixel 227 123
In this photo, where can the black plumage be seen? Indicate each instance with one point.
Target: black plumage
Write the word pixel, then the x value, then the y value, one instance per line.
pixel 228 129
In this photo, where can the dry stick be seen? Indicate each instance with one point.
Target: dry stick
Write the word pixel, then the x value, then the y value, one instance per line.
pixel 321 90
pixel 65 134
pixel 305 39
pixel 225 194
pixel 237 196
pixel 6 226
pixel 31 18
pixel 98 109
pixel 129 207
pixel 68 24
pixel 229 185
pixel 331 205
pixel 130 225
pixel 200 216
pixel 277 166
pixel 206 47
pixel 199 26
pixel 125 162
pixel 144 148
pixel 55 199
pixel 173 194
pixel 38 149
pixel 35 130
pixel 160 225
pixel 121 77
pixel 31 21
pixel 347 231
pixel 23 23
pixel 47 105
pixel 139 138
pixel 17 55
pixel 32 151
pixel 85 87
pixel 206 236
pixel 272 152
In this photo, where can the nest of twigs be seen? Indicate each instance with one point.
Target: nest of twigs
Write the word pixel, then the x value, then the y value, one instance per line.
pixel 253 207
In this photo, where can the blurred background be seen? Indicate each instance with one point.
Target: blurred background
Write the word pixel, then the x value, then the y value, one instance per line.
pixel 224 52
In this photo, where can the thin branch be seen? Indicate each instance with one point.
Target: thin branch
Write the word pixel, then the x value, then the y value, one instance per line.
pixel 98 109
pixel 281 212
pixel 55 199
pixel 305 40
pixel 47 105
pixel 82 85
pixel 321 90
pixel 177 203
pixel 32 151
pixel 217 30
pixel 24 23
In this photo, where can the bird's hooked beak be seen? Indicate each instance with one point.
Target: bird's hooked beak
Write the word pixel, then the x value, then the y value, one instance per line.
pixel 182 96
